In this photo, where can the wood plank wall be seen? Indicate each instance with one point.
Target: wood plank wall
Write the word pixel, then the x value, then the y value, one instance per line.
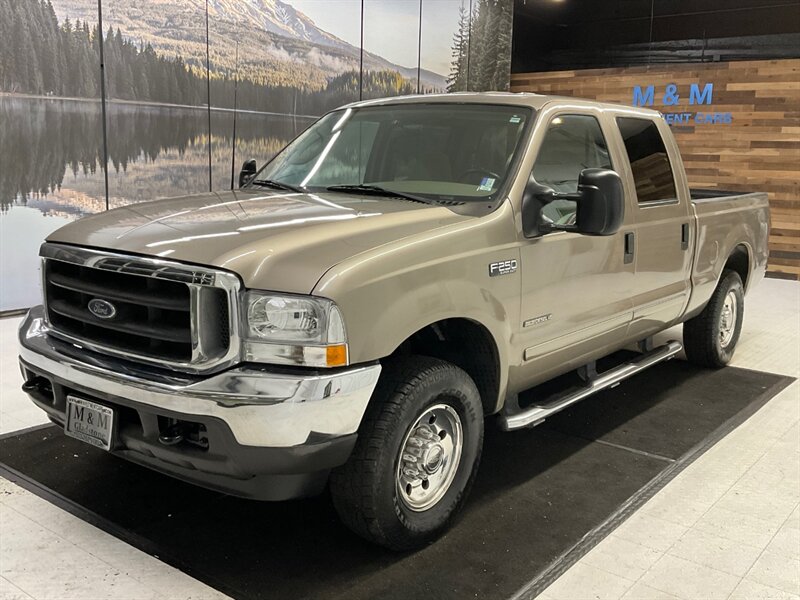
pixel 758 150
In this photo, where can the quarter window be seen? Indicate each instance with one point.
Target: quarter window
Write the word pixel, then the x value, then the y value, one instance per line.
pixel 652 172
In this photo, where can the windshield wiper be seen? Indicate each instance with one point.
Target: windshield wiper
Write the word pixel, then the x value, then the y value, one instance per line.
pixel 377 190
pixel 278 185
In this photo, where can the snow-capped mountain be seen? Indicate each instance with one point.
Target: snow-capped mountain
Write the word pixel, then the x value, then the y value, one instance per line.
pixel 277 43
pixel 274 16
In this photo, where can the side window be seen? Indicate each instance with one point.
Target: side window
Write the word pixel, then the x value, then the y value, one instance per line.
pixel 652 172
pixel 572 143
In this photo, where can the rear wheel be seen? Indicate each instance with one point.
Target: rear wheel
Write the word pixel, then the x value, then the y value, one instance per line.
pixel 710 338
pixel 416 456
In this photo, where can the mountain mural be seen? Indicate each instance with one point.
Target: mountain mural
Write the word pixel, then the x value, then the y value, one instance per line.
pixel 278 44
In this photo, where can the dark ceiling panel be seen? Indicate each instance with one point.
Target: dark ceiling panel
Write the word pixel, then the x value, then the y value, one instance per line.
pixel 734 21
pixel 681 7
pixel 577 11
pixel 574 34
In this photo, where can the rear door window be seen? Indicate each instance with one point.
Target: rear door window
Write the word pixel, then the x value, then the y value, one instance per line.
pixel 652 172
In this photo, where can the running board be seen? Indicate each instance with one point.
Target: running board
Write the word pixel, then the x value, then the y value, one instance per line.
pixel 535 414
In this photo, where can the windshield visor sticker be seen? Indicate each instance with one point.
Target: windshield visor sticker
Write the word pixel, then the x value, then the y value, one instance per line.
pixel 503 267
pixel 487 184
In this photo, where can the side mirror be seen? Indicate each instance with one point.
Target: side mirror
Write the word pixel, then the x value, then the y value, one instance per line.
pixel 600 205
pixel 248 171
pixel 534 199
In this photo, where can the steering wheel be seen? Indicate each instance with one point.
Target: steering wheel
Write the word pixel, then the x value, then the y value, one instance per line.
pixel 482 171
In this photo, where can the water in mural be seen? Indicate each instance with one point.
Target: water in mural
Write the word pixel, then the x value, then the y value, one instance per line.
pixel 54 173
pixel 277 63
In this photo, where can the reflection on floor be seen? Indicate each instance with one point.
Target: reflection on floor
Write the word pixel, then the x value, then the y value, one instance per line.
pixel 728 526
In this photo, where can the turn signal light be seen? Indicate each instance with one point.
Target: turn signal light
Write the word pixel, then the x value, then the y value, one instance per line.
pixel 336 356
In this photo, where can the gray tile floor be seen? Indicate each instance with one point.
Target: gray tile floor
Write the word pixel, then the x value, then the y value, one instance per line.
pixel 726 527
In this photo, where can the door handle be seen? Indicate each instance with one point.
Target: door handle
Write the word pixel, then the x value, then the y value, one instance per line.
pixel 630 246
pixel 685 236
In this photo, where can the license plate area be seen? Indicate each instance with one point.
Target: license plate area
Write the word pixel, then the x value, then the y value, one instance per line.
pixel 89 422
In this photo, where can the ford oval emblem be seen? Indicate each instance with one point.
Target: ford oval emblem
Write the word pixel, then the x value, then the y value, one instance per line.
pixel 102 309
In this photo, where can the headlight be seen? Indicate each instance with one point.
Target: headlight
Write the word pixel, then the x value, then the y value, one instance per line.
pixel 297 330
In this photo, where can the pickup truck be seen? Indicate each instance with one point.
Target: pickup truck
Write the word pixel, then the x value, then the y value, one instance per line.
pixel 399 273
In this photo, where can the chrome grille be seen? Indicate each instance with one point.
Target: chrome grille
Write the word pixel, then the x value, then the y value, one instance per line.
pixel 161 312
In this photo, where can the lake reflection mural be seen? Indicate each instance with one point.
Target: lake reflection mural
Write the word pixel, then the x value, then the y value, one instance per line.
pixel 274 66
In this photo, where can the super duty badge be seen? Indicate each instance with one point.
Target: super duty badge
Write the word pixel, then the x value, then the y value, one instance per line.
pixel 503 267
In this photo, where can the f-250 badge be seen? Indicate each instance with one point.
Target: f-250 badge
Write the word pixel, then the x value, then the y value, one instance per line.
pixel 503 267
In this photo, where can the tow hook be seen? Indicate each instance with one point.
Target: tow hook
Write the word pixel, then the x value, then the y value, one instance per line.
pixel 172 435
pixel 177 432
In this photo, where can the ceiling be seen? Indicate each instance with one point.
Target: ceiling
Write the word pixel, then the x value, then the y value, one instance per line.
pixel 567 34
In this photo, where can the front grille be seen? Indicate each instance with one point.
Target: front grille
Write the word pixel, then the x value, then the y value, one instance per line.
pixel 152 315
pixel 150 305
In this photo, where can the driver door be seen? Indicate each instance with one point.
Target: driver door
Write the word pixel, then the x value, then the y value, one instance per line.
pixel 575 288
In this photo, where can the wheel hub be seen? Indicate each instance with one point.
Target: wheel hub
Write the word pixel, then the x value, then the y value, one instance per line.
pixel 727 320
pixel 429 457
pixel 432 459
pixel 423 455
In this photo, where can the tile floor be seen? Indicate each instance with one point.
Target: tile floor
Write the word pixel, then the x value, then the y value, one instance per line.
pixel 726 527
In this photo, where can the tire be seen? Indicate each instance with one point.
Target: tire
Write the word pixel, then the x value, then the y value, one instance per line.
pixel 371 494
pixel 710 338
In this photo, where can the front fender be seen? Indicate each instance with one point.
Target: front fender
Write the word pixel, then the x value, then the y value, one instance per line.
pixel 389 293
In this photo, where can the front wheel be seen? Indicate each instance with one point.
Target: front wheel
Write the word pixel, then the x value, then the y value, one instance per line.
pixel 710 338
pixel 416 456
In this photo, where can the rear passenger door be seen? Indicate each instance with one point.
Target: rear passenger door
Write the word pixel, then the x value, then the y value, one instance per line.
pixel 661 231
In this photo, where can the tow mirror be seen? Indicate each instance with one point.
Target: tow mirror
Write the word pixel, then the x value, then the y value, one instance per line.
pixel 600 205
pixel 248 171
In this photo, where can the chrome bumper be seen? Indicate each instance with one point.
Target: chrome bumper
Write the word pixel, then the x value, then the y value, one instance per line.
pixel 262 407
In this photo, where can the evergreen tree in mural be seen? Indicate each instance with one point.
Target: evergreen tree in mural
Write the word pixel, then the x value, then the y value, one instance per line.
pixel 41 57
pixel 457 81
pixel 482 48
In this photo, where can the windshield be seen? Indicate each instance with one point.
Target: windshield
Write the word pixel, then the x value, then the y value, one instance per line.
pixel 436 151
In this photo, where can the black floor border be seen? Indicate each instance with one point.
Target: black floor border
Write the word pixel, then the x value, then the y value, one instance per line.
pixel 527 592
pixel 561 564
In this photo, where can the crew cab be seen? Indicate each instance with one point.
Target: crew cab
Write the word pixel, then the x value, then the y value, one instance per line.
pixel 376 293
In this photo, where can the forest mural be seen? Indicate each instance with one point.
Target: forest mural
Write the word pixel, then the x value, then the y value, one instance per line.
pixel 179 73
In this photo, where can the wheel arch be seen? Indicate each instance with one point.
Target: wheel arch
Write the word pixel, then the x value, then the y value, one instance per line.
pixel 468 344
pixel 740 261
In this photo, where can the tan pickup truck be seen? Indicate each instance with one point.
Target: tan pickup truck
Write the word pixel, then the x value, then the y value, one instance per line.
pixel 397 274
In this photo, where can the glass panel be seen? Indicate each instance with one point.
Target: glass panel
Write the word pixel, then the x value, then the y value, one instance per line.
pixel 223 46
pixel 652 172
pixel 391 47
pixel 573 143
pixel 489 62
pixel 298 59
pixel 443 151
pixel 51 142
pixel 319 49
pixel 157 99
pixel 445 33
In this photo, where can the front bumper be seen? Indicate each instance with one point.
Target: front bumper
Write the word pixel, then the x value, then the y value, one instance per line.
pixel 271 434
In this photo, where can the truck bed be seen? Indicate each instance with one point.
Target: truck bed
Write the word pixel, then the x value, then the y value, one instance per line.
pixel 703 195
pixel 724 222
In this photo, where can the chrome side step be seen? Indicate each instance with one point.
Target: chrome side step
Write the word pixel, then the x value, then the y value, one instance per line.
pixel 535 414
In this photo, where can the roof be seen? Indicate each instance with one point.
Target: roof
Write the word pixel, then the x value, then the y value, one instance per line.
pixel 535 101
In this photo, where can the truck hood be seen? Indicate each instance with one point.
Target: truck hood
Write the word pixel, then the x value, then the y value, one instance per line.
pixel 280 241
